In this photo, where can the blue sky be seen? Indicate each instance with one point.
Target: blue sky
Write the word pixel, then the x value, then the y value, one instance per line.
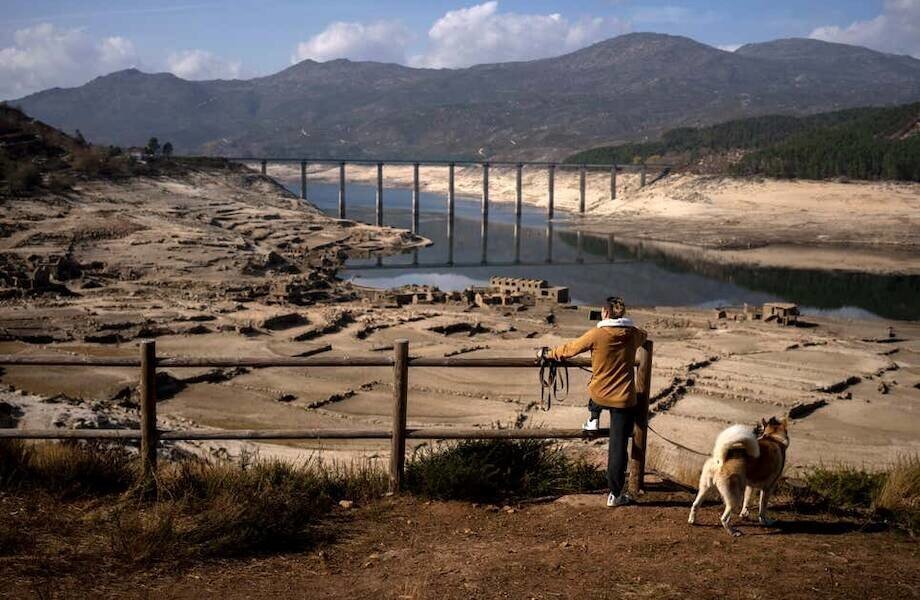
pixel 44 43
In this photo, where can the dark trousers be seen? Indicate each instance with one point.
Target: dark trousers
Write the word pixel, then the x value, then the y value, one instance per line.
pixel 621 429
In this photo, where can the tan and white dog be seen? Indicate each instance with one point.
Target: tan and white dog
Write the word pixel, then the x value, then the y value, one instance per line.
pixel 742 462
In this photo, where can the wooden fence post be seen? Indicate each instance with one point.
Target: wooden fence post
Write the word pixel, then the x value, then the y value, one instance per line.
pixel 400 395
pixel 264 167
pixel 148 406
pixel 642 176
pixel 581 190
pixel 551 190
pixel 640 430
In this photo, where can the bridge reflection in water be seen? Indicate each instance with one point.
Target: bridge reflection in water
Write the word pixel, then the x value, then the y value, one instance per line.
pixel 472 249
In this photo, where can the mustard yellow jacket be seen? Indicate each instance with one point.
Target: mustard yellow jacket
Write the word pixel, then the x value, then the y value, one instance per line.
pixel 613 348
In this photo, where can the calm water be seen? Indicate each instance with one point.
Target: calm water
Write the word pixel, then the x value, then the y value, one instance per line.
pixel 593 267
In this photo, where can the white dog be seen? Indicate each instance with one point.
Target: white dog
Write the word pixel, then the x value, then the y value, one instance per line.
pixel 742 462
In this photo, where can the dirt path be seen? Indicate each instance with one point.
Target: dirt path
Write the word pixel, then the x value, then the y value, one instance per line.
pixel 572 548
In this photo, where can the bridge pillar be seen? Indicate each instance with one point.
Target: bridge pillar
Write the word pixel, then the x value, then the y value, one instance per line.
pixel 518 188
pixel 379 194
pixel 581 190
pixel 303 180
pixel 264 167
pixel 642 176
pixel 613 182
pixel 415 201
pixel 450 214
pixel 341 190
pixel 551 188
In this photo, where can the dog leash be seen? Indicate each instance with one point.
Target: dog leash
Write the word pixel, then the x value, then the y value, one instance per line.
pixel 678 444
pixel 554 378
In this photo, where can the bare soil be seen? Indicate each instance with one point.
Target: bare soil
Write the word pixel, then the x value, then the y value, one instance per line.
pixel 570 548
pixel 227 263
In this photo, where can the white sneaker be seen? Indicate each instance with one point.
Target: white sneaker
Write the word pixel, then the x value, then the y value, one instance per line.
pixel 622 500
pixel 591 425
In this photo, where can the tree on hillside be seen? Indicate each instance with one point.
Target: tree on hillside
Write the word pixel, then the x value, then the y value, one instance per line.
pixel 167 149
pixel 153 147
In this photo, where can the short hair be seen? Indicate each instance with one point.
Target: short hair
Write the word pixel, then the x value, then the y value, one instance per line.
pixel 616 306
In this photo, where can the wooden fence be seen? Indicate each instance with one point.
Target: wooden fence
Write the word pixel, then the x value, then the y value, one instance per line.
pixel 150 435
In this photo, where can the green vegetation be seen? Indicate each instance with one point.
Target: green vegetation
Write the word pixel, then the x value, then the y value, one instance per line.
pixel 892 495
pixel 860 143
pixel 493 470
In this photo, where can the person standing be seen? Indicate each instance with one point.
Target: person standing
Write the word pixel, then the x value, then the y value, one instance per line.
pixel 613 343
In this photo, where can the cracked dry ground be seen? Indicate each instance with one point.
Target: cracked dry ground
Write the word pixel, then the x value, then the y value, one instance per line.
pixel 850 388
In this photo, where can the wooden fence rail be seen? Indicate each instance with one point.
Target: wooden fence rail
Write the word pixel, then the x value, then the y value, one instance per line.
pixel 150 435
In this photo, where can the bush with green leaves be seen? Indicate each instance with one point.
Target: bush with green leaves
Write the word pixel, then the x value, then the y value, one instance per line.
pixel 495 470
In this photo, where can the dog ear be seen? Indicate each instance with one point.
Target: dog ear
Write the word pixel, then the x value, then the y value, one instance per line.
pixel 763 423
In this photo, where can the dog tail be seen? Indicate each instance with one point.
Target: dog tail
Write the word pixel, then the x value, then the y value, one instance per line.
pixel 734 437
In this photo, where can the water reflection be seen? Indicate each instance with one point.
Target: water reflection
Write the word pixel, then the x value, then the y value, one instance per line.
pixel 468 249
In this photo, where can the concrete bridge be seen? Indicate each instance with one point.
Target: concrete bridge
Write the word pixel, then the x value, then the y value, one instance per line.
pixel 550 167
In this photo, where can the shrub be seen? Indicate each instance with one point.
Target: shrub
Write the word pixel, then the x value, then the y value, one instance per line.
pixel 844 488
pixel 230 509
pixel 88 162
pixel 24 178
pixel 60 182
pixel 67 469
pixel 14 462
pixel 492 470
pixel 899 496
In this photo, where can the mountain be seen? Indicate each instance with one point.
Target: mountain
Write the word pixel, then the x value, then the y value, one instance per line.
pixel 626 88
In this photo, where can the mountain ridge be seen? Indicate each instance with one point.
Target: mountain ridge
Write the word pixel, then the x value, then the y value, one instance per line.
pixel 625 88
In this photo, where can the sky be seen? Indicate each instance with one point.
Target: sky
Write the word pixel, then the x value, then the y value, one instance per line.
pixel 47 43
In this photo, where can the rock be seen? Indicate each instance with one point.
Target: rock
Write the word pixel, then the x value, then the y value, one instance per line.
pixel 283 321
pixel 882 387
pixel 346 504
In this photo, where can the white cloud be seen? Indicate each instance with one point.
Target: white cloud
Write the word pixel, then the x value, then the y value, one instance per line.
pixel 201 64
pixel 383 41
pixel 896 29
pixel 460 38
pixel 670 14
pixel 729 47
pixel 44 56
pixel 481 34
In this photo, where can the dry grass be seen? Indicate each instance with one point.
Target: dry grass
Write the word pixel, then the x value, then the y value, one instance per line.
pixel 899 497
pixel 196 509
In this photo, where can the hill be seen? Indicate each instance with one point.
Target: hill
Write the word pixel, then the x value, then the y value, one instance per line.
pixel 36 156
pixel 626 88
pixel 861 143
